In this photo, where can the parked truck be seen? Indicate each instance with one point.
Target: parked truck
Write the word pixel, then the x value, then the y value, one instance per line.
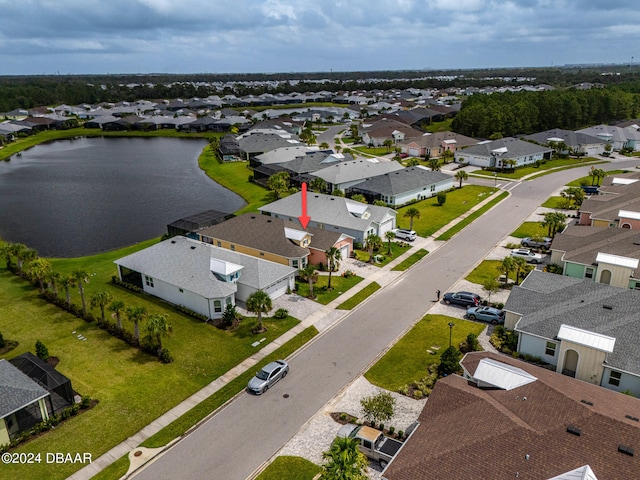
pixel 373 443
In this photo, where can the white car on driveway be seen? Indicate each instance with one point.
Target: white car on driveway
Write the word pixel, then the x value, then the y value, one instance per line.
pixel 527 254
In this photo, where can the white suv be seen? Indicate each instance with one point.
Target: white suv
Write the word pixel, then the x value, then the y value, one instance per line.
pixel 527 254
pixel 403 234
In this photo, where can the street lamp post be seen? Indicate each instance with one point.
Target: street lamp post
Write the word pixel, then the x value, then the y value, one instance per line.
pixel 495 180
pixel 450 330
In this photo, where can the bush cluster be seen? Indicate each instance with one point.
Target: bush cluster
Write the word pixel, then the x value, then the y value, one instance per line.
pixel 504 340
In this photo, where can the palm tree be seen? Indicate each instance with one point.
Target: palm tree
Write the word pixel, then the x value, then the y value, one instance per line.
pixel 81 277
pixel 460 176
pixel 136 315
pixel 334 256
pixel 67 282
pixel 519 264
pixel 388 143
pixel 54 278
pixel 447 156
pixel 434 164
pixel 309 274
pixel 389 235
pixel 117 307
pixel 156 328
pixel 506 266
pixel 318 185
pixel 599 173
pixel 323 146
pixel 39 271
pixel 373 242
pixel 411 213
pixel 344 461
pixel 553 222
pixel 101 299
pixel 23 254
pixel 259 302
pixel 413 162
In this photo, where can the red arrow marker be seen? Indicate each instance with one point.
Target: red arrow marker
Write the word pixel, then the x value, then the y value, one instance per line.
pixel 304 218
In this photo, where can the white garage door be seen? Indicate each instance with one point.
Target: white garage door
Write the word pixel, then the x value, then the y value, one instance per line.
pixel 414 152
pixel 344 251
pixel 278 289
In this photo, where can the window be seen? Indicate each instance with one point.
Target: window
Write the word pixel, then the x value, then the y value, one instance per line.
pixel 219 243
pixel 262 254
pixel 433 188
pixel 550 349
pixel 228 301
pixel 233 247
pixel 588 272
pixel 181 290
pixel 614 378
pixel 149 281
pixel 294 263
pixel 217 306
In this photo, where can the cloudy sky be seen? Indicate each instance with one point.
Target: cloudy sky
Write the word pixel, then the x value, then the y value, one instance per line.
pixel 225 36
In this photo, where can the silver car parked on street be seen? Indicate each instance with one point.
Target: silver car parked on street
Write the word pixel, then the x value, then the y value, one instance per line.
pixel 268 376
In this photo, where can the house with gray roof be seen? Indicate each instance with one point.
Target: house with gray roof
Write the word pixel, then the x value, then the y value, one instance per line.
pixel 404 186
pixel 494 154
pixel 22 402
pixel 338 214
pixel 342 175
pixel 301 167
pixel 618 137
pixel 579 142
pixel 604 255
pixel 202 277
pixel 584 329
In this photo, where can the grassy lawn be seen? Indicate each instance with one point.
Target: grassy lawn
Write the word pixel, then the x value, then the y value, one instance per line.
pixel 470 218
pixel 411 260
pixel 530 229
pixel 234 176
pixel 127 377
pixel 291 468
pixel 487 270
pixel 378 151
pixel 407 360
pixel 359 297
pixel 433 217
pixel 587 180
pixel 556 202
pixel 531 169
pixel 444 126
pixel 339 285
pixel 396 250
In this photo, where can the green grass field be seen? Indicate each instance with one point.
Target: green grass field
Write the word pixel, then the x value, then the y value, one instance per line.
pixel 530 229
pixel 359 297
pixel 532 169
pixel 411 260
pixel 487 270
pixel 339 285
pixel 433 217
pixel 472 217
pixel 290 468
pixel 407 360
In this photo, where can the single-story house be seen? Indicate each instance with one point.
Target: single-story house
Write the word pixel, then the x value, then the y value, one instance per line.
pixel 494 154
pixel 342 175
pixel 584 329
pixel 189 226
pixel 276 240
pixel 576 141
pixel 617 137
pixel 30 392
pixel 434 144
pixel 505 418
pixel 604 255
pixel 403 186
pixel 338 214
pixel 202 277
pixel 617 204
pixel 376 133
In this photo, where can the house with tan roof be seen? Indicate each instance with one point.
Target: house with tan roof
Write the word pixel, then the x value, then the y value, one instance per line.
pixel 375 134
pixel 276 240
pixel 504 418
pixel 434 144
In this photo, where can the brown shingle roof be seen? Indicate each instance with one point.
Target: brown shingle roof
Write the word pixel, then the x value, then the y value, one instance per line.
pixel 467 432
pixel 583 243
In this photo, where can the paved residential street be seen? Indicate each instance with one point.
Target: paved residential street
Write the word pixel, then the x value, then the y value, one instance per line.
pixel 242 436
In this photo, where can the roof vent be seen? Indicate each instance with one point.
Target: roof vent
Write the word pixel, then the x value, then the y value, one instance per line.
pixel 193 247
pixel 173 241
pixel 607 307
pixel 253 216
pixel 268 221
pixel 574 430
pixel 626 450
pixel 630 417
pixel 586 402
pixel 332 199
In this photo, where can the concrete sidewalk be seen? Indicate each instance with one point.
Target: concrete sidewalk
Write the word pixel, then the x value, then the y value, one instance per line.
pixel 322 318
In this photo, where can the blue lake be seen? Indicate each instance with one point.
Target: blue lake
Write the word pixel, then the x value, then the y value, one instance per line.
pixel 78 197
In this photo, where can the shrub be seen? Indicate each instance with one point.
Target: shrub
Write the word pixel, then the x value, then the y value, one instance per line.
pixel 400 434
pixel 3 343
pixel 449 361
pixel 442 198
pixel 42 352
pixel 86 401
pixel 378 407
pixel 281 313
pixel 392 430
pixel 343 416
pixel 165 356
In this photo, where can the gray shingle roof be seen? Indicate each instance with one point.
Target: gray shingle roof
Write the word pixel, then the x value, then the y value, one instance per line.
pixel 185 263
pixel 403 181
pixel 16 389
pixel 344 172
pixel 546 301
pixel 330 210
pixel 515 148
pixel 572 139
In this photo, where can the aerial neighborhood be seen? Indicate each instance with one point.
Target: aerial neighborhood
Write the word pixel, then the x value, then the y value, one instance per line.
pixel 449 294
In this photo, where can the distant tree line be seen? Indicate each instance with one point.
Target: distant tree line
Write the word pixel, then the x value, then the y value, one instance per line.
pixel 33 91
pixel 507 114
